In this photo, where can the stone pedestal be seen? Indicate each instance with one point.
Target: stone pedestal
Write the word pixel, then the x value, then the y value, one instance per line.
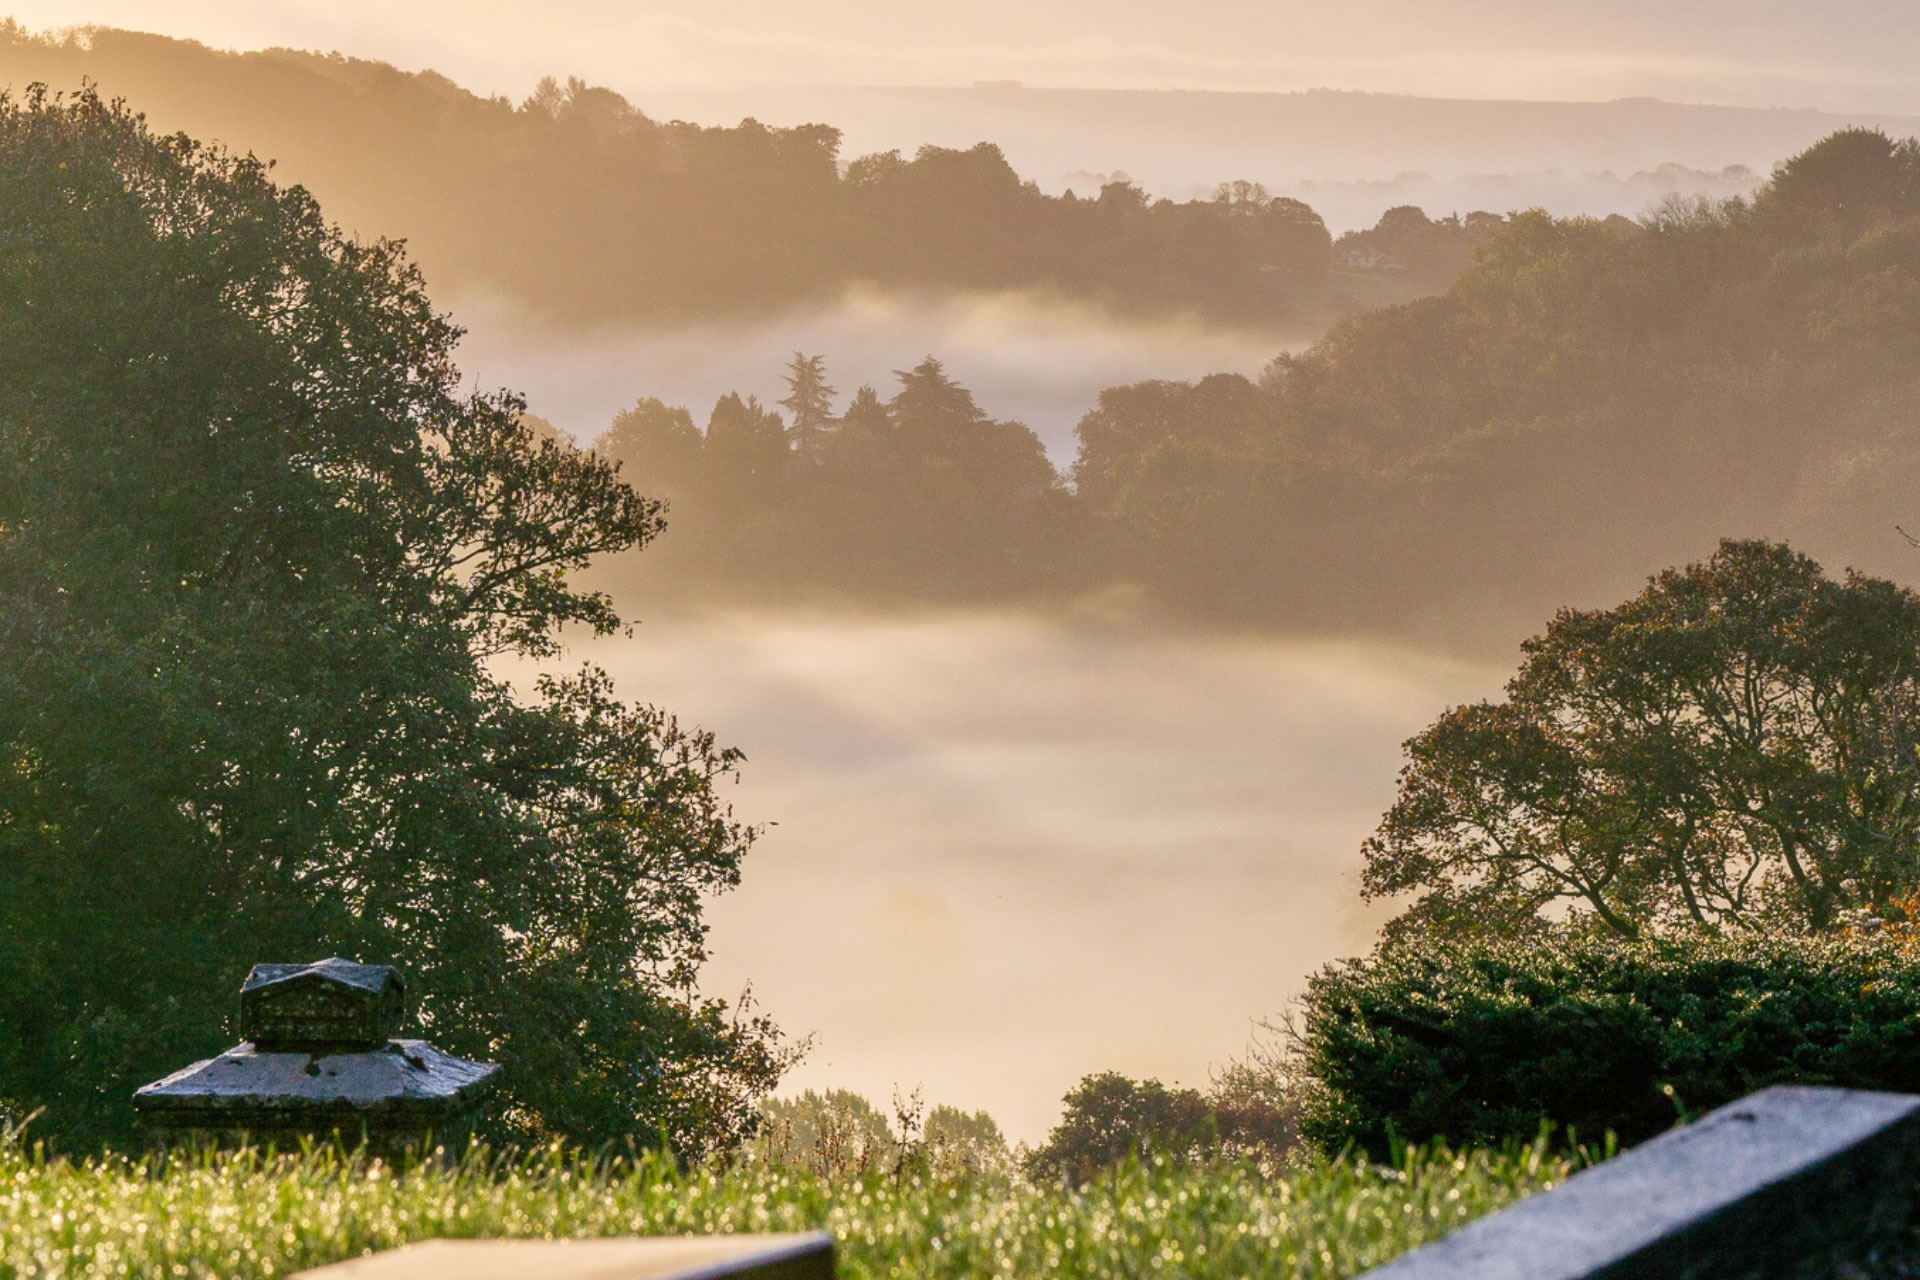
pixel 320 1063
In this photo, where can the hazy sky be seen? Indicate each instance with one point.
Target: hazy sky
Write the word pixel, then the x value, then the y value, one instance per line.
pixel 1844 54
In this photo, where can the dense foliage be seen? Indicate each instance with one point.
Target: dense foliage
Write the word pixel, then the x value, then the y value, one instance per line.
pixel 1589 395
pixel 257 550
pixel 243 1219
pixel 1480 1042
pixel 578 206
pixel 1735 746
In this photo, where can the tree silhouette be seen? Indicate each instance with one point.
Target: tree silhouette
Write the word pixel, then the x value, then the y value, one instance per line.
pixel 809 402
pixel 1734 747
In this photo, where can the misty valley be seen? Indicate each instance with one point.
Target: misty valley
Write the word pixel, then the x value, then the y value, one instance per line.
pixel 915 685
pixel 973 802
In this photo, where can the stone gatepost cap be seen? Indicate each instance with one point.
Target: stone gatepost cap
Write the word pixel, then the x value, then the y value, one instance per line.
pixel 331 1002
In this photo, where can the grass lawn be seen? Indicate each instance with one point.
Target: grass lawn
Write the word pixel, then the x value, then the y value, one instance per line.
pixel 246 1215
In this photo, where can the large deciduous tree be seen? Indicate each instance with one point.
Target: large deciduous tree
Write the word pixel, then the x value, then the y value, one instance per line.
pixel 1734 747
pixel 258 550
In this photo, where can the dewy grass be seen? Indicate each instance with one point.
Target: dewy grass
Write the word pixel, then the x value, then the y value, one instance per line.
pixel 248 1215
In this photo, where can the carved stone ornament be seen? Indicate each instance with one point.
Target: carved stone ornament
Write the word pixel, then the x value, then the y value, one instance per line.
pixel 320 1062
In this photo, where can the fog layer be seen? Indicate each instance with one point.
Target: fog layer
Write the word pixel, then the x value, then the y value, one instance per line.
pixel 1034 360
pixel 1012 851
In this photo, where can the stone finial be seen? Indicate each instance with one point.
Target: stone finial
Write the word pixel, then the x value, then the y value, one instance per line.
pixel 331 1002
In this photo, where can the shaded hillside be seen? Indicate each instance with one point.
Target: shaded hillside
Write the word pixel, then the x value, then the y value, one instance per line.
pixel 1590 399
pixel 582 208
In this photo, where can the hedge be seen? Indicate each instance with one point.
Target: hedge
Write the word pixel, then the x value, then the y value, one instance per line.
pixel 1483 1042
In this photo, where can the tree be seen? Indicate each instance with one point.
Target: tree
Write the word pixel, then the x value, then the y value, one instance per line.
pixel 1732 748
pixel 935 417
pixel 746 449
pixel 931 408
pixel 959 1145
pixel 865 430
pixel 1248 1114
pixel 810 400
pixel 1849 178
pixel 259 559
pixel 1108 1117
pixel 1242 196
pixel 836 1134
pixel 656 444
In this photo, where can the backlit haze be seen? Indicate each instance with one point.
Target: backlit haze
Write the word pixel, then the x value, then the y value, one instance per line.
pixel 1013 851
pixel 1003 849
pixel 1851 54
pixel 1314 101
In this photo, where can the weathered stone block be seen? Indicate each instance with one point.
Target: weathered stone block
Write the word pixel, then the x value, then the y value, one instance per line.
pixel 331 1002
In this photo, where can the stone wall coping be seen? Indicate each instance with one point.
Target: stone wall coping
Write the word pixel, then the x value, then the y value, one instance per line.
pixel 788 1256
pixel 1790 1178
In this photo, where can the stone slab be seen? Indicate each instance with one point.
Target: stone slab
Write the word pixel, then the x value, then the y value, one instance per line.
pixel 1781 1183
pixel 796 1256
pixel 403 1077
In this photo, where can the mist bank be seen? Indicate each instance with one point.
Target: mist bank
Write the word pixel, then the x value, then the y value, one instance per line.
pixel 1012 850
pixel 1035 358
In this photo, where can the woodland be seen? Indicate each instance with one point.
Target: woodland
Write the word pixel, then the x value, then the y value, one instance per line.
pixel 1585 397
pixel 580 208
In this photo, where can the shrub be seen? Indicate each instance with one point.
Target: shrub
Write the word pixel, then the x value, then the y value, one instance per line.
pixel 1481 1042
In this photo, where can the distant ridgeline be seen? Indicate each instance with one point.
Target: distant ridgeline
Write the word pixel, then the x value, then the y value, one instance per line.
pixel 577 206
pixel 1589 402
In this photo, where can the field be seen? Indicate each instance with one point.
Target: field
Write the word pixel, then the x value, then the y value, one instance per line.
pixel 246 1215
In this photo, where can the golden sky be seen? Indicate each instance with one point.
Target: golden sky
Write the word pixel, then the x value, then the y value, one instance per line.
pixel 1843 54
